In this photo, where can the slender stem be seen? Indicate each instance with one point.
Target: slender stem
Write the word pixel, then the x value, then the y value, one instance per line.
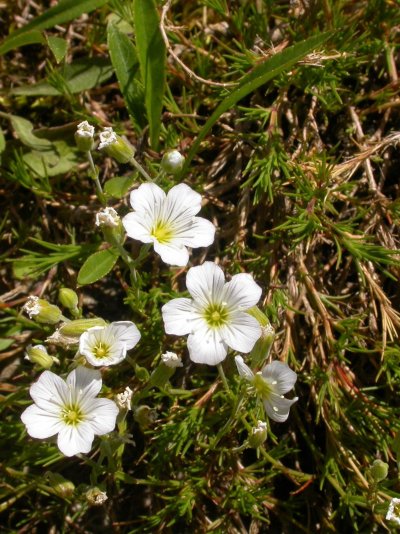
pixel 140 169
pixel 223 379
pixel 95 176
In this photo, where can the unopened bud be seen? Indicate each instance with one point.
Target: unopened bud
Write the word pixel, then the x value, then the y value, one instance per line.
pixel 42 311
pixel 96 497
pixel 69 299
pixel 169 362
pixel 62 487
pixel 77 327
pixel 84 136
pixel 144 416
pixel 379 470
pixel 170 359
pixel 108 217
pixel 258 435
pixel 262 348
pixel 172 162
pixel 141 373
pixel 39 355
pixel 116 146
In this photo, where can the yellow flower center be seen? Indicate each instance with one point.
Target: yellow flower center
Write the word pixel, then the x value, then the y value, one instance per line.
pixel 162 232
pixel 101 350
pixel 216 315
pixel 72 415
pixel 261 385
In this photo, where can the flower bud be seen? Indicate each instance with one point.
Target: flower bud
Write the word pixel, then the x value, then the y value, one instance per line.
pixel 379 470
pixel 96 497
pixel 170 359
pixel 124 399
pixel 39 355
pixel 144 416
pixel 169 362
pixel 69 299
pixel 172 162
pixel 42 311
pixel 262 348
pixel 258 435
pixel 116 146
pixel 62 487
pixel 141 373
pixel 77 327
pixel 84 136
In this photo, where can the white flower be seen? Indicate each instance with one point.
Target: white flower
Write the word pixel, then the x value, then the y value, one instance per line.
pixel 124 399
pixel 85 130
pixel 70 409
pixel 271 383
pixel 107 138
pixel 393 512
pixel 170 359
pixel 168 221
pixel 215 318
pixel 108 345
pixel 107 217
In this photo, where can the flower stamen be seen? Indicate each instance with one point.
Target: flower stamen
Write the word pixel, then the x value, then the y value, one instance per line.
pixel 216 315
pixel 162 233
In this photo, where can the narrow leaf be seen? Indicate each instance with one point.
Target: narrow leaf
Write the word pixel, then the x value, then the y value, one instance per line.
pixel 255 79
pixel 15 41
pixel 97 266
pixel 151 52
pixel 23 128
pixel 126 64
pixel 64 11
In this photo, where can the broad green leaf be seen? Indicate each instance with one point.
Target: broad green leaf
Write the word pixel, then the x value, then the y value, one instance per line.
pixel 255 79
pixel 60 159
pixel 82 75
pixel 97 266
pixel 23 128
pixel 64 11
pixel 118 186
pixel 58 46
pixel 151 52
pixel 126 64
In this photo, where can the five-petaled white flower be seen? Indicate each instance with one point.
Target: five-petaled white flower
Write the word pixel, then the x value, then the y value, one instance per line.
pixel 271 383
pixel 168 221
pixel 393 513
pixel 70 409
pixel 108 345
pixel 215 318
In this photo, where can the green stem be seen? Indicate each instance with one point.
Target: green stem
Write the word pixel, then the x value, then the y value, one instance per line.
pixel 95 177
pixel 140 169
pixel 223 379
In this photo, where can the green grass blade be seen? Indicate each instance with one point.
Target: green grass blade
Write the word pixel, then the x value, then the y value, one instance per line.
pixel 64 11
pixel 257 77
pixel 126 64
pixel 151 52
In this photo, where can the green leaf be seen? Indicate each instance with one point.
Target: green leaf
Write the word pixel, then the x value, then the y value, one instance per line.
pixel 2 142
pixel 82 75
pixel 151 52
pixel 23 128
pixel 118 186
pixel 59 160
pixel 64 11
pixel 97 266
pixel 255 79
pixel 58 46
pixel 126 64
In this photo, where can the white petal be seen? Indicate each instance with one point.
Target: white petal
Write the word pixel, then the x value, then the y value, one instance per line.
pixel 75 439
pixel 125 332
pixel 207 346
pixel 138 226
pixel 241 332
pixel 49 389
pixel 201 233
pixel 102 416
pixel 40 423
pixel 85 381
pixel 178 316
pixel 182 201
pixel 278 407
pixel 206 283
pixel 243 369
pixel 172 253
pixel 242 292
pixel 280 376
pixel 148 199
